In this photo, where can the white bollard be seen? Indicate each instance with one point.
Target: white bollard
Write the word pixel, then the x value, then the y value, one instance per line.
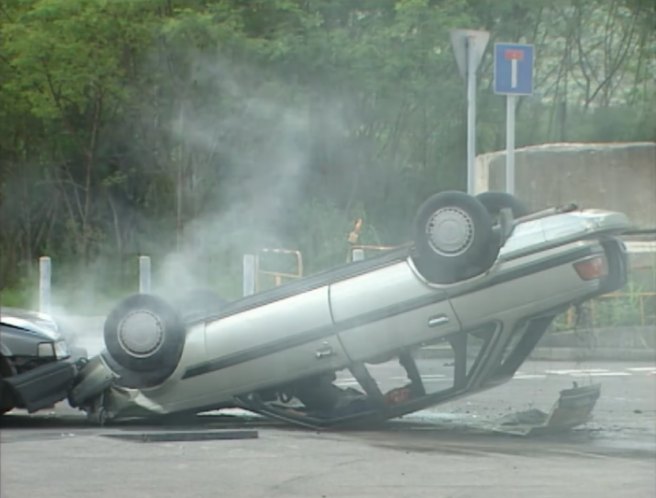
pixel 357 254
pixel 144 274
pixel 249 274
pixel 45 276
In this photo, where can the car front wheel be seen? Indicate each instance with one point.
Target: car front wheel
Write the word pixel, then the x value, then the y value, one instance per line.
pixel 144 334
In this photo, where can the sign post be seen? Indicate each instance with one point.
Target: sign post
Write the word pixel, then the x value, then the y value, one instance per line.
pixel 513 76
pixel 468 47
pixel 144 274
pixel 45 277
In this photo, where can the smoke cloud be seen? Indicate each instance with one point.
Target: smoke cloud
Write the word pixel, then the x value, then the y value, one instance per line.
pixel 241 163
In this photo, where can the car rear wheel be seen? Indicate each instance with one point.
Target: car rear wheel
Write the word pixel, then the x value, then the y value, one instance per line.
pixel 145 334
pixel 454 239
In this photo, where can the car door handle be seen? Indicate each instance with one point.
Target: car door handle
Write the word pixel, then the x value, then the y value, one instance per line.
pixel 438 320
pixel 324 351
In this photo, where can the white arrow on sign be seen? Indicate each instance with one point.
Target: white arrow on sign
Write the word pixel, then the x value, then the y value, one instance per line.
pixel 514 56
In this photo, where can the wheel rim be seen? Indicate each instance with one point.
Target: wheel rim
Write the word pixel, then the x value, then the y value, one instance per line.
pixel 450 231
pixel 140 333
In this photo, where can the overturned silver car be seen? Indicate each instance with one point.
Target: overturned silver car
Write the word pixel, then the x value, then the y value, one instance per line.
pixel 482 280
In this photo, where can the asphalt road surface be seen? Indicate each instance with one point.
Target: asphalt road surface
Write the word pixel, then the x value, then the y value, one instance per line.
pixel 441 452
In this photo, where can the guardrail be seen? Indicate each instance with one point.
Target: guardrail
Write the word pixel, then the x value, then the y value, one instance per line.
pixel 357 252
pixel 639 307
pixel 277 276
pixel 631 308
pixel 45 280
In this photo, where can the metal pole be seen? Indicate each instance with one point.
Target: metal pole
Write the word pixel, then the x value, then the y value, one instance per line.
pixel 144 274
pixel 357 255
pixel 511 101
pixel 249 274
pixel 45 276
pixel 471 116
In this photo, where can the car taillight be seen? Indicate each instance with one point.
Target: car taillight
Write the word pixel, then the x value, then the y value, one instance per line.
pixel 592 268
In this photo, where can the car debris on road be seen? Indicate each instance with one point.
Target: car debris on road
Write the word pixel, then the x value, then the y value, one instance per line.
pixel 572 409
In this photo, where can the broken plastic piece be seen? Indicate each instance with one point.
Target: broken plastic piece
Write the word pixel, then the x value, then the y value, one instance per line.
pixel 573 408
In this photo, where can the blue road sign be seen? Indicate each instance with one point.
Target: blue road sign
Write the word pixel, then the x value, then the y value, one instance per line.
pixel 513 69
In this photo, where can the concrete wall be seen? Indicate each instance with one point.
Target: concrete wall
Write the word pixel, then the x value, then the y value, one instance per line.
pixel 615 176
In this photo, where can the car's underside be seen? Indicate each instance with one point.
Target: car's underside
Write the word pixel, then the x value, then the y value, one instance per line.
pixel 425 376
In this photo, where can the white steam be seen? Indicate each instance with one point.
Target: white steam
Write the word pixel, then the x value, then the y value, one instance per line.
pixel 246 176
pixel 241 161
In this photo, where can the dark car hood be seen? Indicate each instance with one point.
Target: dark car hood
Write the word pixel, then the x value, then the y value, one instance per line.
pixel 31 321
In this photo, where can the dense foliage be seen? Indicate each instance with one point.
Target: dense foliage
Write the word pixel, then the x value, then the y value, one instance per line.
pixel 214 127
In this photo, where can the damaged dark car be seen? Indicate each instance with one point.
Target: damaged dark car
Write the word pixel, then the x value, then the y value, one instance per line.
pixel 37 365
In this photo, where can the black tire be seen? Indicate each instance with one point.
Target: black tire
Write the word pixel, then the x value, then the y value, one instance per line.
pixel 6 399
pixel 6 395
pixel 494 202
pixel 145 334
pixel 454 239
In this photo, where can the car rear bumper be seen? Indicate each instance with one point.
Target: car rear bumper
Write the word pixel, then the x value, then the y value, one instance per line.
pixel 44 385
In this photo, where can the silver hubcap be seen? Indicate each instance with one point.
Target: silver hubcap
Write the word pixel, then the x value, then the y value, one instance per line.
pixel 450 231
pixel 140 333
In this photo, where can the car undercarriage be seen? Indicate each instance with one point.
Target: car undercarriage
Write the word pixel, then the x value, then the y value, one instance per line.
pixel 355 396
